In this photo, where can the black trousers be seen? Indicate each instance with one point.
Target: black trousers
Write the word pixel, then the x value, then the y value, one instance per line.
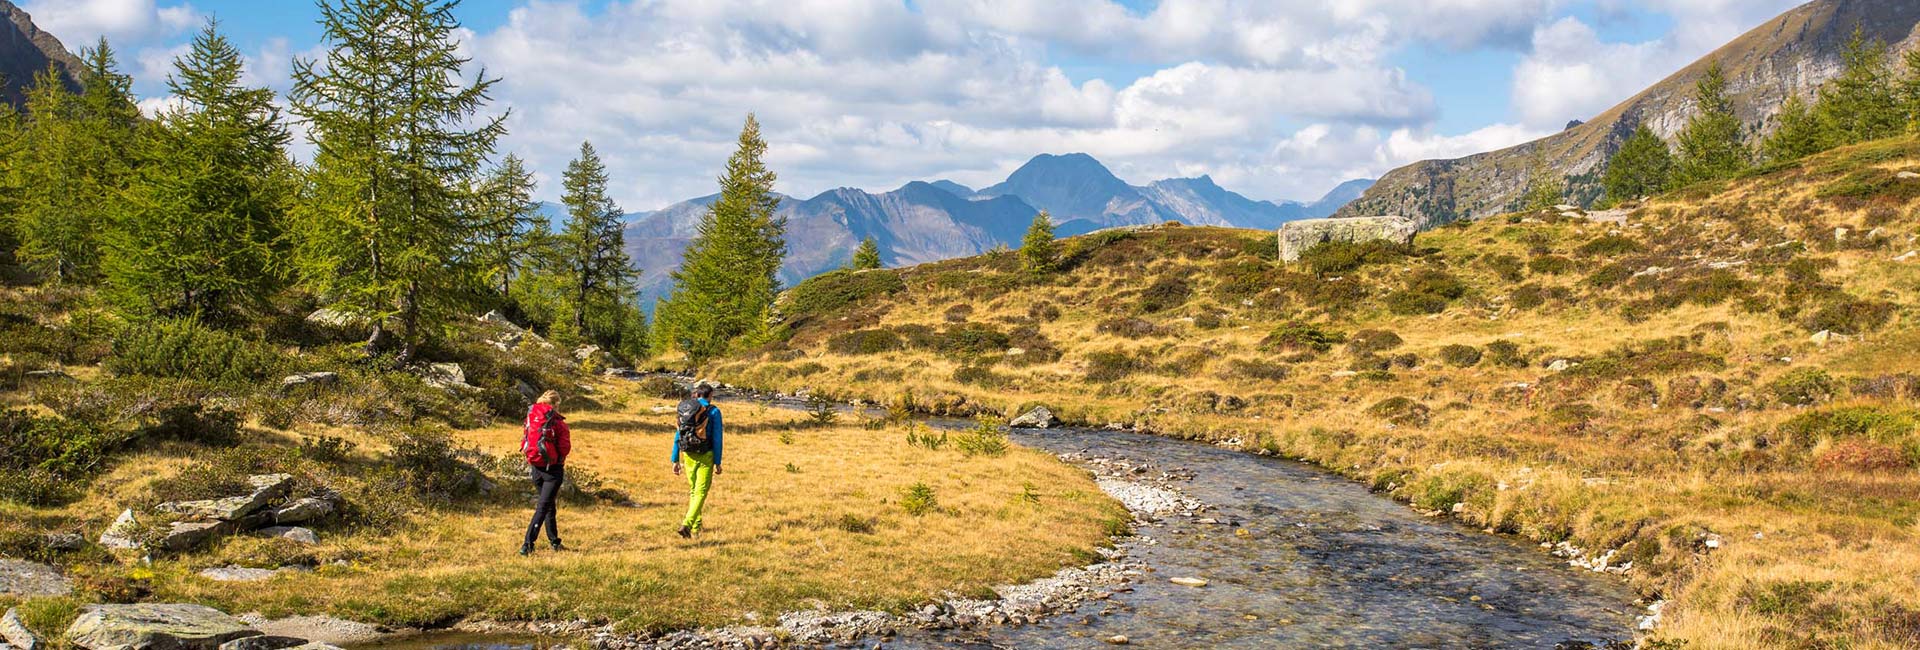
pixel 546 486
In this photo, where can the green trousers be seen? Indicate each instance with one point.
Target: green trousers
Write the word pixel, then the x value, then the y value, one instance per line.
pixel 699 469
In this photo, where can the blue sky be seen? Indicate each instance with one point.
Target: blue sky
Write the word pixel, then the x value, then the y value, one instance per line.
pixel 1276 100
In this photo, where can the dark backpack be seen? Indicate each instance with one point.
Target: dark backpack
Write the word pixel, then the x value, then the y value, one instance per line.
pixel 692 430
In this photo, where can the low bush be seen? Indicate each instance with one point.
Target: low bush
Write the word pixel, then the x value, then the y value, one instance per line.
pixel 1505 354
pixel 1803 387
pixel 1129 327
pixel 958 313
pixel 1507 267
pixel 1849 423
pixel 1427 292
pixel 973 340
pixel 185 349
pixel 1166 292
pixel 1461 356
pixel 1336 257
pixel 1371 341
pixel 1401 411
pixel 48 458
pixel 1111 365
pixel 1257 369
pixel 925 437
pixel 1300 335
pixel 918 499
pixel 434 467
pixel 1846 315
pixel 1550 265
pixel 865 342
pixel 986 438
pixel 194 422
pixel 979 376
pixel 1609 276
pixel 1044 312
pixel 1533 296
pixel 1861 456
pixel 1609 245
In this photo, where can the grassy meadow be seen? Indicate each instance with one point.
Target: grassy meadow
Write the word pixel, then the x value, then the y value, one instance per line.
pixel 1721 391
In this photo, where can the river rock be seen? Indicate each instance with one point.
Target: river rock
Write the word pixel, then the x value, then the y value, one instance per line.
pixel 266 487
pixel 303 510
pixel 119 534
pixel 264 642
pixel 1189 582
pixel 295 533
pixel 15 633
pixel 23 579
pixel 322 630
pixel 309 378
pixel 1119 639
pixel 1040 417
pixel 1298 236
pixel 155 627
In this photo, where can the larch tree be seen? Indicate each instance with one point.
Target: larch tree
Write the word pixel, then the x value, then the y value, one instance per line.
pixel 867 256
pixel 1710 145
pixel 1863 102
pixel 385 231
pixel 1796 133
pixel 1642 167
pixel 77 153
pixel 1039 252
pixel 1546 187
pixel 590 252
pixel 726 285
pixel 203 213
pixel 512 230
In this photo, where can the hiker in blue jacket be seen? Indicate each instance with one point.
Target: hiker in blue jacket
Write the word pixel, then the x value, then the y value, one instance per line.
pixel 697 443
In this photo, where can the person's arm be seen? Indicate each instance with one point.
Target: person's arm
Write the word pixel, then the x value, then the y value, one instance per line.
pixel 676 451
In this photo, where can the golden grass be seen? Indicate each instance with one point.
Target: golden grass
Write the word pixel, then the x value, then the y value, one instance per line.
pixel 814 522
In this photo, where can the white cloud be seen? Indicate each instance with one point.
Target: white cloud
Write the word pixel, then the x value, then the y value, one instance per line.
pixel 80 23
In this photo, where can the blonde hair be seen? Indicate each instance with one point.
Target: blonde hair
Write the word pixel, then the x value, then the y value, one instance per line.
pixel 548 397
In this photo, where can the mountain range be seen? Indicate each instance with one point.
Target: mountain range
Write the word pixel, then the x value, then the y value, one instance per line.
pixel 25 51
pixel 929 221
pixel 1793 54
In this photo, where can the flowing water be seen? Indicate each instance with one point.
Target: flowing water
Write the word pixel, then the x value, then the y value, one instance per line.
pixel 1321 563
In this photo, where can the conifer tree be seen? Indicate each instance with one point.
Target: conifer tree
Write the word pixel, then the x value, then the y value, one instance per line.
pixel 384 231
pixel 1545 186
pixel 1862 103
pixel 77 154
pixel 11 141
pixel 726 285
pixel 512 230
pixel 1039 252
pixel 1642 167
pixel 867 256
pixel 1796 134
pixel 590 253
pixel 1710 145
pixel 1910 90
pixel 204 211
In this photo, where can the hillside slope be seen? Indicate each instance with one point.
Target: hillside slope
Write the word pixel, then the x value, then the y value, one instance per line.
pixel 1793 53
pixel 25 51
pixel 1716 398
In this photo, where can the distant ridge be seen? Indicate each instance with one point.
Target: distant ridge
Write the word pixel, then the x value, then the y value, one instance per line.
pixel 25 52
pixel 1793 53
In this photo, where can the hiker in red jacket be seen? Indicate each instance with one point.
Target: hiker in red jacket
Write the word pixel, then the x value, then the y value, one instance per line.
pixel 545 441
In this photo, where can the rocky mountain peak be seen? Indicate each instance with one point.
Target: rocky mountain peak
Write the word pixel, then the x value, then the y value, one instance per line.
pixel 26 51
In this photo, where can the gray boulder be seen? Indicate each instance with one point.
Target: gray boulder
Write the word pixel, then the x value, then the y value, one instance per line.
pixel 295 533
pixel 64 542
pixel 447 376
pixel 303 510
pixel 1039 418
pixel 237 574
pixel 309 379
pixel 1298 236
pixel 120 534
pixel 15 633
pixel 264 642
pixel 23 579
pixel 337 319
pixel 266 488
pixel 184 536
pixel 155 627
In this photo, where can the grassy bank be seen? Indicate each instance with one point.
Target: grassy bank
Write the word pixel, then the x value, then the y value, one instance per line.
pixel 1719 391
pixel 806 515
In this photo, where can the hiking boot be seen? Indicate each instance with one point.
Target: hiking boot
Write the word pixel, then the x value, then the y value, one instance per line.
pixel 526 549
pixel 557 547
pixel 686 532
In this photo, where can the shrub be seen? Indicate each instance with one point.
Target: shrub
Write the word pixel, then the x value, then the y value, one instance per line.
pixel 1858 422
pixel 1044 312
pixel 1401 411
pixel 1861 456
pixel 986 438
pixel 185 349
pixel 852 523
pixel 958 313
pixel 1111 365
pixel 47 458
pixel 1301 335
pixel 1715 287
pixel 433 466
pixel 1550 265
pixel 1129 327
pixel 1609 276
pixel 973 339
pixel 821 411
pixel 332 450
pixel 1532 296
pixel 193 422
pixel 1506 354
pixel 1463 356
pixel 1507 267
pixel 918 499
pixel 978 376
pixel 865 342
pixel 1849 316
pixel 1370 341
pixel 661 388
pixel 1166 292
pixel 1803 387
pixel 925 437
pixel 1258 369
pixel 1335 257
pixel 1427 292
pixel 836 290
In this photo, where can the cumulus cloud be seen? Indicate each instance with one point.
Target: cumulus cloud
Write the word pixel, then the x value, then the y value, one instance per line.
pixel 79 23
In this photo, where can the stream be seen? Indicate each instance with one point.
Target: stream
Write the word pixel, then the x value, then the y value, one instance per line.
pixel 1296 557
